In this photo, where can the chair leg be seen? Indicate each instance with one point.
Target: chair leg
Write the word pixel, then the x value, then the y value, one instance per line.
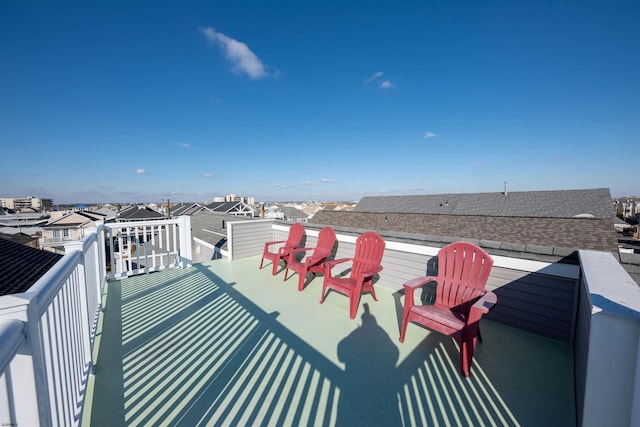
pixel 403 327
pixel 373 293
pixel 324 289
pixel 479 335
pixel 302 279
pixel 466 356
pixel 354 301
pixel 261 261
pixel 276 264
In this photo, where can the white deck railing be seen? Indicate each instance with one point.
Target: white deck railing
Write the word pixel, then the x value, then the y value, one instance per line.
pixel 47 333
pixel 143 247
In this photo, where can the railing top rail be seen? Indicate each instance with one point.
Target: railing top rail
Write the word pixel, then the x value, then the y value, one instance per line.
pixel 46 288
pixel 600 272
pixel 115 225
pixel 12 337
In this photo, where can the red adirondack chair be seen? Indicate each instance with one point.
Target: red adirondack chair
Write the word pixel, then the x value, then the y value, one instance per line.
pixel 461 298
pixel 283 247
pixel 313 262
pixel 364 265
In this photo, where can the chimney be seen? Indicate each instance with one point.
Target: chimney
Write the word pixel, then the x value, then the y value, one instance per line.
pixel 505 188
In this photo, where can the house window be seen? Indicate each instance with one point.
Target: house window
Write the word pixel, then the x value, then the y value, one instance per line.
pixel 56 233
pixel 65 232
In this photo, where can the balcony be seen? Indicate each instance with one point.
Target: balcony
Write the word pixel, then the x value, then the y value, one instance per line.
pixel 222 342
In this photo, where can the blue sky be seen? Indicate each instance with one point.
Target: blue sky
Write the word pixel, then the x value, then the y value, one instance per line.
pixel 321 100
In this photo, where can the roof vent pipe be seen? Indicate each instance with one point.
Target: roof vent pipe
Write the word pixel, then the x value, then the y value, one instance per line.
pixel 505 188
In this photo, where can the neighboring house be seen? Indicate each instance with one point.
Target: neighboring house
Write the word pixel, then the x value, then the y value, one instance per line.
pixel 22 266
pixel 540 225
pixel 620 225
pixel 109 213
pixel 293 214
pixel 185 209
pixel 338 206
pixel 209 234
pixel 273 212
pixel 311 210
pixel 23 239
pixel 68 227
pixel 565 218
pixel 231 208
pixel 286 213
pixel 138 213
pixel 27 223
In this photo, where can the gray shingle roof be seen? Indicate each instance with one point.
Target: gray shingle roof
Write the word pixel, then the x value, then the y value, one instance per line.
pixel 210 227
pixel 576 233
pixel 136 212
pixel 545 204
pixel 185 209
pixel 22 266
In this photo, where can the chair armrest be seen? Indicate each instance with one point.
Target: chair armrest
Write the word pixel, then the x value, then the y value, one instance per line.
pixel 418 281
pixel 485 303
pixel 301 250
pixel 284 248
pixel 330 264
pixel 267 244
pixel 413 284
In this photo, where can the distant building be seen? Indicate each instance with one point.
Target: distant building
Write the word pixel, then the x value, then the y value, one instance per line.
pixel 26 223
pixel 20 203
pixel 234 198
pixel 70 226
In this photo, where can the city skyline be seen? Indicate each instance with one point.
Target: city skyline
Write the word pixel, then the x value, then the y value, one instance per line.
pixel 122 102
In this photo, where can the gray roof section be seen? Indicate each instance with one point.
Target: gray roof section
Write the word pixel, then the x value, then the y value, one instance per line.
pixel 543 204
pixel 211 227
pixel 22 266
pixel 292 212
pixel 575 233
pixel 139 213
pixel 222 206
pixel 185 209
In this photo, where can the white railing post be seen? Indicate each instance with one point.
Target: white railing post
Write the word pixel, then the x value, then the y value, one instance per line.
pixel 185 240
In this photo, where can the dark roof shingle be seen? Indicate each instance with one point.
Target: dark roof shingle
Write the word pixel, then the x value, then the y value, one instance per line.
pixel 544 204
pixel 22 266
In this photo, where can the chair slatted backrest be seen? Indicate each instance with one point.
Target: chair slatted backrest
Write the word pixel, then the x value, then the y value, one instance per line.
pixel 295 235
pixel 326 240
pixel 463 271
pixel 369 250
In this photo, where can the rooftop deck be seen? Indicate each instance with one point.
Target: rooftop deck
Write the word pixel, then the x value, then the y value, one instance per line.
pixel 224 343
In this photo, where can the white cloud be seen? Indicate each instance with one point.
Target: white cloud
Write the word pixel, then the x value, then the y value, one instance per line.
pixel 308 183
pixel 208 175
pixel 184 144
pixel 242 59
pixel 376 78
pixel 141 171
pixel 373 77
pixel 283 186
pixel 327 180
pixel 430 135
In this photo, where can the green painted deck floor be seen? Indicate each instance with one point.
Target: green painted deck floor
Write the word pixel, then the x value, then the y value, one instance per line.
pixel 224 343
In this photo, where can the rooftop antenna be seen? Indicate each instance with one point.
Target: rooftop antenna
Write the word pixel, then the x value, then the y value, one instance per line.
pixel 505 188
